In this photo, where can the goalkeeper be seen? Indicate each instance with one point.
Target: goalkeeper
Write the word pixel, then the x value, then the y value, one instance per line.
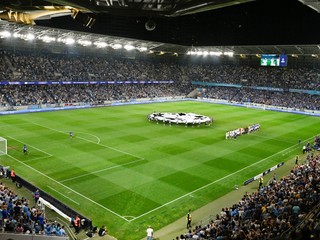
pixel 25 149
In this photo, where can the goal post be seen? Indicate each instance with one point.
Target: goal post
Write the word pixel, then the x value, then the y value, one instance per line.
pixel 3 146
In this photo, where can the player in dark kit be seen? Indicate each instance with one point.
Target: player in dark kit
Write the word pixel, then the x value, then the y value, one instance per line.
pixel 25 149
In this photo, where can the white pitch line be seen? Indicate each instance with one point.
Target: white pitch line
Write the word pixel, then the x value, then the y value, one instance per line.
pixel 70 189
pixel 92 136
pixel 36 159
pixel 101 170
pixel 218 180
pixel 63 195
pixel 31 146
pixel 112 148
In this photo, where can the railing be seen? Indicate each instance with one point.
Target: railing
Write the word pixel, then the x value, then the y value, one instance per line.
pixel 16 236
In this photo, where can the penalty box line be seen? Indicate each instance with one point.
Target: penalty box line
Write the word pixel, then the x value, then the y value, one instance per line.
pixel 218 180
pixel 101 170
pixel 49 155
pixel 70 189
pixel 84 139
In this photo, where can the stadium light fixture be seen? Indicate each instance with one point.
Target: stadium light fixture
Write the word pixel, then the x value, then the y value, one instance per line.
pixel 212 53
pixel 116 46
pixel 100 44
pixel 5 34
pixel 47 39
pixel 30 36
pixel 129 47
pixel 69 41
pixel 84 42
pixel 142 49
pixel 230 54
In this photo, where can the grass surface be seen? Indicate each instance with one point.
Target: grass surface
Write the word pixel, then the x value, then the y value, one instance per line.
pixel 126 173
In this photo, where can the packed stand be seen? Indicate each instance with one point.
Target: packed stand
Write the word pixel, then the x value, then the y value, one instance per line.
pixel 273 98
pixel 20 66
pixel 36 67
pixel 285 78
pixel 17 215
pixel 279 210
pixel 19 95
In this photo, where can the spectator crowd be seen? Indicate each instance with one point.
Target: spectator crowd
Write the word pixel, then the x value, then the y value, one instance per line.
pixel 269 213
pixel 288 208
pixel 28 67
pixel 17 215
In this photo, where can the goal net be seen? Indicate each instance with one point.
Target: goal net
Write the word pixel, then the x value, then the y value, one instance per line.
pixel 3 146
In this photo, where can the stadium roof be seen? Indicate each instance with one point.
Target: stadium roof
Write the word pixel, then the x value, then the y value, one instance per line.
pixel 200 27
pixel 314 4
pixel 27 12
pixel 182 22
pixel 82 39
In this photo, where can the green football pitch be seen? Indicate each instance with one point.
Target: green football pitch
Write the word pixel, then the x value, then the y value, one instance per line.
pixel 122 171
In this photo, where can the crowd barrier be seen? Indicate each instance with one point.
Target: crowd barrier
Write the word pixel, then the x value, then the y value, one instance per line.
pixel 263 174
pixel 15 236
pixel 54 204
pixel 65 106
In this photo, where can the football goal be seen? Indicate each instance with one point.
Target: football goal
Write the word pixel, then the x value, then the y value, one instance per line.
pixel 3 146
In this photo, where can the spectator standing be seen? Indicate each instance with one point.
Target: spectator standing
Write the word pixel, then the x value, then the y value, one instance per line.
pixel 13 175
pixel 189 219
pixel 260 182
pixel 36 195
pixel 149 233
pixel 77 223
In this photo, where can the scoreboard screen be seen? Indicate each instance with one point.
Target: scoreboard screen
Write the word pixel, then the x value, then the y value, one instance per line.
pixel 274 60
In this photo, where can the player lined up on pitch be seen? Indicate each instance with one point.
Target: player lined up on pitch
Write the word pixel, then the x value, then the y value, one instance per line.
pixel 241 131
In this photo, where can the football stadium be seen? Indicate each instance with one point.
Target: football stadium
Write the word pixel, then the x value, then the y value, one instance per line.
pixel 116 137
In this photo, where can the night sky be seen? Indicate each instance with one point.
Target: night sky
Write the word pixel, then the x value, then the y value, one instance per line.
pixel 263 22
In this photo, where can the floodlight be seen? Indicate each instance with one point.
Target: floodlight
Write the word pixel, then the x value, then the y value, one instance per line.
pixel 215 53
pixel 47 39
pixel 5 34
pixel 230 54
pixel 69 41
pixel 100 44
pixel 129 47
pixel 116 46
pixel 142 49
pixel 30 36
pixel 85 42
